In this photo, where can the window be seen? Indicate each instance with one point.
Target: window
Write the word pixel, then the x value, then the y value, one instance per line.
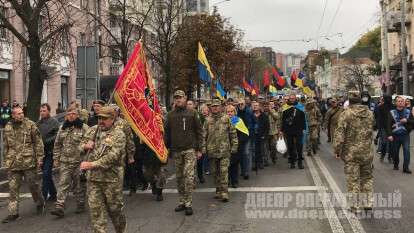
pixel 84 4
pixel 115 55
pixel 65 42
pixel 3 31
pixel 64 91
pixel 82 39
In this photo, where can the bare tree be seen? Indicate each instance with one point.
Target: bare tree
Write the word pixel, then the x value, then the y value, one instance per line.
pixel 123 24
pixel 165 23
pixel 43 24
pixel 358 75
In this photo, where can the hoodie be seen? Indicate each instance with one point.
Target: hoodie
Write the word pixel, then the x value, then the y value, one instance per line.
pixel 354 134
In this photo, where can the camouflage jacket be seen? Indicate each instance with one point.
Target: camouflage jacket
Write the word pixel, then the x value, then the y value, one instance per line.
pixel 129 144
pixel 219 137
pixel 313 115
pixel 66 148
pixel 23 146
pixel 275 121
pixel 107 154
pixel 354 134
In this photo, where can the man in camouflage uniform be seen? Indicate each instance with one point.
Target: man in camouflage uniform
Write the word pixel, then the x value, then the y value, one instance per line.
pixel 104 164
pixel 129 151
pixel 183 136
pixel 275 119
pixel 83 113
pixel 314 118
pixel 219 141
pixel 352 143
pixel 23 155
pixel 331 118
pixel 68 157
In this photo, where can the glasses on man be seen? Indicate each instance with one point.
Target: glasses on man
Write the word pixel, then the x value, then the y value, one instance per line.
pixel 102 118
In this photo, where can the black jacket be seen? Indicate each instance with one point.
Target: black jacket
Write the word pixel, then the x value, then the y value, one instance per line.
pixel 293 122
pixel 261 126
pixel 183 130
pixel 48 129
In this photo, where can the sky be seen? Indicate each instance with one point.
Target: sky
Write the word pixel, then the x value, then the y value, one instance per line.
pixel 296 26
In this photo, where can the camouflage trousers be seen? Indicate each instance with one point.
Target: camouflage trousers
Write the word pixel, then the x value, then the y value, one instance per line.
pixel 220 169
pixel 184 168
pixel 359 180
pixel 15 181
pixel 155 174
pixel 105 197
pixel 271 146
pixel 69 176
pixel 312 137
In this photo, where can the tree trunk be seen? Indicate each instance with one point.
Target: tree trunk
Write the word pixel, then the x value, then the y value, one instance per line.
pixel 35 83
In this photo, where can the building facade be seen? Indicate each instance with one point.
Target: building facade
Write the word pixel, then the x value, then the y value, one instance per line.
pixel 393 32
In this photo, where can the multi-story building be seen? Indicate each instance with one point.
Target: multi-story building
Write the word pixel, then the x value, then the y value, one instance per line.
pixel 393 21
pixel 281 62
pixel 293 62
pixel 61 84
pixel 197 6
pixel 265 53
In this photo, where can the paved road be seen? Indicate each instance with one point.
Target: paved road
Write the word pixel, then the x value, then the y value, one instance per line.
pixel 277 200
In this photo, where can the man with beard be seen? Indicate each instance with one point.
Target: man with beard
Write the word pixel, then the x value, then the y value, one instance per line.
pixel 68 157
pixel 104 166
pixel 293 126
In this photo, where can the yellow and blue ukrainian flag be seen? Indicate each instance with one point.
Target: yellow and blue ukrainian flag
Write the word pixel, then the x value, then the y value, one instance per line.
pixel 220 93
pixel 204 69
pixel 238 123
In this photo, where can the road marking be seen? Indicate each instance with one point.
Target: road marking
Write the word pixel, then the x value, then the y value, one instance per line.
pixel 352 219
pixel 326 203
pixel 212 190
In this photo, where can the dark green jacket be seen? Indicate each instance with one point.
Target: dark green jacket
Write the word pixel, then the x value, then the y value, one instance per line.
pixel 183 130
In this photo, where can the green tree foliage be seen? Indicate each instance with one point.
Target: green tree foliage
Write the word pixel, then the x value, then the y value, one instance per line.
pixel 369 44
pixel 221 42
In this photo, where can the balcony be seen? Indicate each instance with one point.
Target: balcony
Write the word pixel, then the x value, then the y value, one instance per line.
pixel 394 21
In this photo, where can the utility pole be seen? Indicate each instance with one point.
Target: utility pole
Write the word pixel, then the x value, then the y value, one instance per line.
pixel 385 52
pixel 404 50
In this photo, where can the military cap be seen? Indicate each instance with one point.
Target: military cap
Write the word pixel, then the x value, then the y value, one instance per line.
pixel 101 102
pixel 107 111
pixel 215 102
pixel 114 107
pixel 179 93
pixel 354 96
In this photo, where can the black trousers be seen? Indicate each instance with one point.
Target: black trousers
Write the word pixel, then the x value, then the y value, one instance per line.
pixel 134 174
pixel 295 148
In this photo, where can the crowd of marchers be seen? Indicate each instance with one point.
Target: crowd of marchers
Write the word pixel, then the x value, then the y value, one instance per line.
pixel 97 155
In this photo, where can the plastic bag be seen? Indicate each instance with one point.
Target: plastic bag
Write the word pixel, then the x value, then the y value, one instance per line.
pixel 281 145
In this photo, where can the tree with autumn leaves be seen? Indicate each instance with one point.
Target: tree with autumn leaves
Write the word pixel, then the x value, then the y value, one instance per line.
pixel 222 43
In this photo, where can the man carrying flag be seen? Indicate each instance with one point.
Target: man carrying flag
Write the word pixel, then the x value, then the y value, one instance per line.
pixel 183 132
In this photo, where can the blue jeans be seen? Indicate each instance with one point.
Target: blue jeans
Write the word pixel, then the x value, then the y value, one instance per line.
pixel 48 187
pixel 404 141
pixel 245 160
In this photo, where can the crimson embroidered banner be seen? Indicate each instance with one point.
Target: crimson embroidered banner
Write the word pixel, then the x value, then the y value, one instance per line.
pixel 135 95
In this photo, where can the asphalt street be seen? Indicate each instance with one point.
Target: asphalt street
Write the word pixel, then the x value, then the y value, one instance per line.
pixel 278 199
